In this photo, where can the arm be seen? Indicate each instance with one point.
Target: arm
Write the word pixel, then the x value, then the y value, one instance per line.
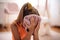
pixel 31 28
pixel 35 34
pixel 15 32
pixel 28 36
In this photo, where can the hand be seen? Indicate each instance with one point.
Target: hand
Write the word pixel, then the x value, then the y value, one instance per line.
pixel 35 34
pixel 32 25
pixel 36 29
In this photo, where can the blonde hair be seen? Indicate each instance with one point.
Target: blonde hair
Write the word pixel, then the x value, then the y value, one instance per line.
pixel 27 7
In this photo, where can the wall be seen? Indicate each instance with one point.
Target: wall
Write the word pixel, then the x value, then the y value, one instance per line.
pixel 6 15
pixel 53 8
pixel 54 11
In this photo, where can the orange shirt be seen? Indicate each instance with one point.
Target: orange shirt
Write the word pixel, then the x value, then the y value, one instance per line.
pixel 21 31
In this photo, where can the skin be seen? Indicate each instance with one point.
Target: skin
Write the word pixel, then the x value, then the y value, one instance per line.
pixel 28 33
pixel 15 33
pixel 34 31
pixel 35 36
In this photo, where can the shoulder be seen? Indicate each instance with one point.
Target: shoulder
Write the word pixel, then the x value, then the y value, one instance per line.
pixel 13 24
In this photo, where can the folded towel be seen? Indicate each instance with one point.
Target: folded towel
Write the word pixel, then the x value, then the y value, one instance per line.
pixel 27 20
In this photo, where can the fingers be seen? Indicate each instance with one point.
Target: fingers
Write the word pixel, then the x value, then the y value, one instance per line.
pixel 32 21
pixel 38 24
pixel 25 24
pixel 37 28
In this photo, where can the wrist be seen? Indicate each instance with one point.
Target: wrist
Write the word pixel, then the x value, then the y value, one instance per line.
pixel 36 37
pixel 36 33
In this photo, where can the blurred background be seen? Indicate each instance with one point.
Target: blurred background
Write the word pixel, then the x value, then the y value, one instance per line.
pixel 49 11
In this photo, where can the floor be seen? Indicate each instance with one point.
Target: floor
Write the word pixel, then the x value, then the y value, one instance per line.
pixel 5 36
pixel 50 35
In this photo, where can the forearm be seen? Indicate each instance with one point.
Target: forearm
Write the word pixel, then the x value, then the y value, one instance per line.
pixel 29 33
pixel 27 37
pixel 15 33
pixel 35 37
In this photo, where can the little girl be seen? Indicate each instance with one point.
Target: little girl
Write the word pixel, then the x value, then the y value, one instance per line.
pixel 26 24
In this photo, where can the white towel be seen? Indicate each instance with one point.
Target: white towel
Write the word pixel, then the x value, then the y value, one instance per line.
pixel 28 17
